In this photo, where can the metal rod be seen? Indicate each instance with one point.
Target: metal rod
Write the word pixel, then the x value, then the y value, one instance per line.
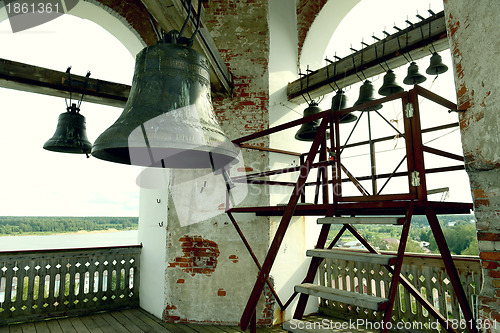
pixel 355 181
pixel 254 257
pixel 372 155
pixel 388 122
pixel 391 175
pixel 350 134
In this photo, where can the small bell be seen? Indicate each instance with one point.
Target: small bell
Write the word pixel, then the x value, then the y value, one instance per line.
pixel 339 102
pixel 436 66
pixel 308 131
pixel 70 135
pixel 366 95
pixel 414 77
pixel 390 86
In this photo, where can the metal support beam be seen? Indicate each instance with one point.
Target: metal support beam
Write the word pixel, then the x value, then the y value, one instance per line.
pixel 24 77
pixel 415 40
pixel 170 14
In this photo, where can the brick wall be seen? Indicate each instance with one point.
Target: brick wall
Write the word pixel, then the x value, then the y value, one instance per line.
pixel 306 14
pixel 473 34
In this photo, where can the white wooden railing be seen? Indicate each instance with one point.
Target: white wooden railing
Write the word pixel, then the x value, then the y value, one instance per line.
pixel 52 283
pixel 426 272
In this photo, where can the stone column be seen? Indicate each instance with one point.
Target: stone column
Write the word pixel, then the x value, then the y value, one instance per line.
pixel 474 38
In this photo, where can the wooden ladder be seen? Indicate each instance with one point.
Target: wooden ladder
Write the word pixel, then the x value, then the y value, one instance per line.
pixel 392 262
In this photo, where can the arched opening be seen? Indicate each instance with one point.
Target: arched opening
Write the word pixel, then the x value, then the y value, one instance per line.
pixel 44 183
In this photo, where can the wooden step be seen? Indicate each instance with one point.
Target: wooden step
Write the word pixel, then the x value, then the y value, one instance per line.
pixel 357 299
pixel 371 258
pixel 363 220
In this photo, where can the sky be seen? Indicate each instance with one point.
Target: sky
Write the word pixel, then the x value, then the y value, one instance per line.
pixel 360 25
pixel 40 182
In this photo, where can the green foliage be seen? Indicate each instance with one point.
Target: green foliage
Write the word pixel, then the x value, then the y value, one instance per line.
pixel 458 237
pixel 16 225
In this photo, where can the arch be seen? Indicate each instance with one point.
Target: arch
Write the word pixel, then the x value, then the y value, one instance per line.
pixel 324 20
pixel 127 21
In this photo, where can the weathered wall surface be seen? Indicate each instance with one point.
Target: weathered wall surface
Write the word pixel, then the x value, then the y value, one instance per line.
pixel 209 273
pixel 473 34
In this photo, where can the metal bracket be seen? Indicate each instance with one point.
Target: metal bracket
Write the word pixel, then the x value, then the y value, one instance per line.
pixel 409 110
pixel 415 178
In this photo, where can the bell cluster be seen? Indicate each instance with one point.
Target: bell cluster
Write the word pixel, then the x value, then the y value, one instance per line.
pixel 307 132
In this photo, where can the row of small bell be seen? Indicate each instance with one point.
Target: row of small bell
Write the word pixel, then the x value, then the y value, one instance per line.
pixel 307 132
pixel 168 120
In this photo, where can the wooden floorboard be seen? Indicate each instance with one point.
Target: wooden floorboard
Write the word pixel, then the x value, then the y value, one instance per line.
pixel 126 321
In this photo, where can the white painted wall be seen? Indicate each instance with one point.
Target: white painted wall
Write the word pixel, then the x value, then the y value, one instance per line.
pixel 152 236
pixel 291 264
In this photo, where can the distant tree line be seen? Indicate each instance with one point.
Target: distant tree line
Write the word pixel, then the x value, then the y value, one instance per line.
pixel 15 225
pixel 459 232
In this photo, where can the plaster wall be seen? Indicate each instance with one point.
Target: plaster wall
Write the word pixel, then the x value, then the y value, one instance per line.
pixel 473 34
pixel 209 273
pixel 291 264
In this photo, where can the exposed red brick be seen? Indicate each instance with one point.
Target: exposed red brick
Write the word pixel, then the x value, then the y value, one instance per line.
pixel 199 255
pixel 490 256
pixel 490 264
pixel 221 292
pixel 234 258
pixel 488 236
pixel 180 281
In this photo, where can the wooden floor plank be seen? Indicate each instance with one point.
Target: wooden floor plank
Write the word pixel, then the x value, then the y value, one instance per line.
pixel 54 326
pixel 16 328
pixel 204 328
pixel 78 325
pixel 42 327
pixel 102 324
pixel 4 329
pixel 91 325
pixel 66 325
pixel 138 322
pixel 113 322
pixel 28 328
pixel 124 321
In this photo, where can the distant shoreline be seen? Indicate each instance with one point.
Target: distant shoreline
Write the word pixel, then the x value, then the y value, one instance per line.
pixel 79 232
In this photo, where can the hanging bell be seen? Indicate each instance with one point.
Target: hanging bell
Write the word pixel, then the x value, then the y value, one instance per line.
pixel 436 66
pixel 308 131
pixel 366 95
pixel 390 86
pixel 70 135
pixel 414 77
pixel 339 102
pixel 168 120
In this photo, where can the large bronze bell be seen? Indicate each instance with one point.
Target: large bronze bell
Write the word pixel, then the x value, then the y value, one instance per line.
pixel 366 95
pixel 308 131
pixel 436 65
pixel 339 102
pixel 413 76
pixel 168 120
pixel 70 135
pixel 390 86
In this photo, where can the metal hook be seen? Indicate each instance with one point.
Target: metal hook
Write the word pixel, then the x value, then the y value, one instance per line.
pixel 160 224
pixel 158 200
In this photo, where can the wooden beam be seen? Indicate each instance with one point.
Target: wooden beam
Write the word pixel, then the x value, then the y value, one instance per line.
pixel 415 40
pixel 170 14
pixel 24 77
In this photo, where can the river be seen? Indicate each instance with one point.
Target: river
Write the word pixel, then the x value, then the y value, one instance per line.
pixel 71 240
